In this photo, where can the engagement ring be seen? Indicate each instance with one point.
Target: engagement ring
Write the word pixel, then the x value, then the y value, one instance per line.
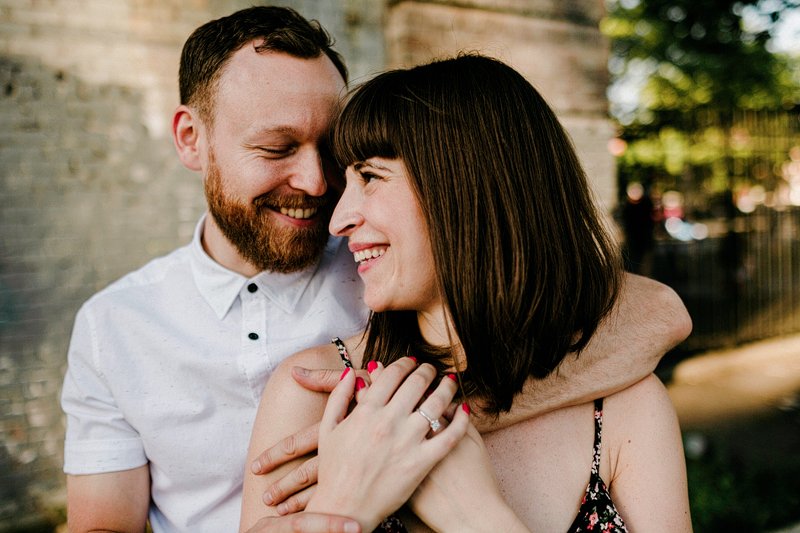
pixel 434 422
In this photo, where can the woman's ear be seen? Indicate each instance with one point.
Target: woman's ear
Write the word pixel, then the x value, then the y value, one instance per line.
pixel 186 135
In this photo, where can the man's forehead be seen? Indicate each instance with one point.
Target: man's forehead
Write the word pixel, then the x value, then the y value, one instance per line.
pixel 278 68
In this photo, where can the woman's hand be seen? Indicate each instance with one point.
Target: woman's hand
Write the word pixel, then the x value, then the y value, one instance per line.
pixel 461 494
pixel 372 460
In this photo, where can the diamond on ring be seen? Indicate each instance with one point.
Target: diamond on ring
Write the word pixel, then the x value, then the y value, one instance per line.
pixel 434 422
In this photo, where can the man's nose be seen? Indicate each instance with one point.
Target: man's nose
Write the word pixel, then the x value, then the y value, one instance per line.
pixel 309 175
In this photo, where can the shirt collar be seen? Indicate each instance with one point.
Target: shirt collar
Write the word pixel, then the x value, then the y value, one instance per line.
pixel 220 286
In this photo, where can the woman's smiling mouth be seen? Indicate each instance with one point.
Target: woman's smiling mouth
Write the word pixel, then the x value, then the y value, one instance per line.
pixel 362 256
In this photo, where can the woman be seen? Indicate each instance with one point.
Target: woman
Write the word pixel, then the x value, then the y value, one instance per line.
pixel 483 255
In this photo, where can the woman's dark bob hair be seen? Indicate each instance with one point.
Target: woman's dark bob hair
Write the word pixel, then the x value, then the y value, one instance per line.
pixel 524 263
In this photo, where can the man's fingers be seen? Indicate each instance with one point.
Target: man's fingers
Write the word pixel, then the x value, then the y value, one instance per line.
pixel 297 502
pixel 319 380
pixel 295 481
pixel 306 523
pixel 289 448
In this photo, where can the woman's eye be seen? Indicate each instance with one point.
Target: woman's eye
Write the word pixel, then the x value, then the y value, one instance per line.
pixel 369 176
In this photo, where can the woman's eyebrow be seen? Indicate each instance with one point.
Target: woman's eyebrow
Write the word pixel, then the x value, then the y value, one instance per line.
pixel 358 165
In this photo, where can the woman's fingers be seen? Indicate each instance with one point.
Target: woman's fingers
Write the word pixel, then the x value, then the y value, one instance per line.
pixel 435 406
pixel 394 454
pixel 450 412
pixel 338 401
pixel 374 369
pixel 442 442
pixel 361 389
pixel 390 378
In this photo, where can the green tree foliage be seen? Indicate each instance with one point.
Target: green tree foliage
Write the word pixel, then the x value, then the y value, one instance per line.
pixel 701 55
pixel 696 68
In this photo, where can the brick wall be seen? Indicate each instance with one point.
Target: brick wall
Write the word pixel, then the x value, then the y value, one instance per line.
pixel 90 187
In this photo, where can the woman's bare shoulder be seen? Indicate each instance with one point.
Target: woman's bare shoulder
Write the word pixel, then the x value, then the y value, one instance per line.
pixel 283 394
pixel 641 398
pixel 323 356
pixel 634 417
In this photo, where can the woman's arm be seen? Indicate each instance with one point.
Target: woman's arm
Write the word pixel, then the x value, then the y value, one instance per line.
pixel 648 320
pixel 461 494
pixel 285 408
pixel 643 447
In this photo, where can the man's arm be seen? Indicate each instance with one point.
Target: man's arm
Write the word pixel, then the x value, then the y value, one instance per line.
pixel 648 320
pixel 116 501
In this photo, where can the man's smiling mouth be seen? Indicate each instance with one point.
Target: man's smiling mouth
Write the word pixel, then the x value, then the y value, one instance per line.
pixel 299 212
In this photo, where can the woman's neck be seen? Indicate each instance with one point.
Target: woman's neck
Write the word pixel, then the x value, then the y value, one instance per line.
pixel 437 330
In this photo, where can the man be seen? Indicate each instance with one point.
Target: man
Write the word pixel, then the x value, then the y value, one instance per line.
pixel 166 365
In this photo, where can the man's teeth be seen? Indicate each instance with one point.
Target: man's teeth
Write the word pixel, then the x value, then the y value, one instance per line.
pixel 299 212
pixel 369 253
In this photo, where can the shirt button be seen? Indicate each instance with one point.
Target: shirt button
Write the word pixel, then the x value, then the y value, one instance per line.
pixel 253 336
pixel 252 287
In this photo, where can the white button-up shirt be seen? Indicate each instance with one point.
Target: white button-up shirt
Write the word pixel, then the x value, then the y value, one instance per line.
pixel 167 366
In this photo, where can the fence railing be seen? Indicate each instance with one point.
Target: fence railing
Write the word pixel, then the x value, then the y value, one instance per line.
pixel 735 175
pixel 741 286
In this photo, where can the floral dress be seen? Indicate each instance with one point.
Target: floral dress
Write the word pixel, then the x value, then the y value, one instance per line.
pixel 597 511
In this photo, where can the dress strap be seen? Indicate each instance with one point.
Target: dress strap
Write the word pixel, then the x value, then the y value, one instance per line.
pixel 342 352
pixel 598 433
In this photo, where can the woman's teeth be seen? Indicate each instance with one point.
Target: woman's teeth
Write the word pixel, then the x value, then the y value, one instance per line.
pixel 370 253
pixel 299 212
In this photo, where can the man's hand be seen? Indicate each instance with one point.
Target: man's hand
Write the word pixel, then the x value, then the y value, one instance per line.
pixel 291 493
pixel 304 441
pixel 306 523
pixel 292 447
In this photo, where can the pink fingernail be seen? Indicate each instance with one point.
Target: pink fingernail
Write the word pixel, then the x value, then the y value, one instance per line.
pixel 346 370
pixel 360 384
pixel 452 376
pixel 412 358
pixel 371 366
pixel 465 408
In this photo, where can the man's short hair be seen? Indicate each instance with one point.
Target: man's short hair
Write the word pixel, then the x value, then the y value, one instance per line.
pixel 277 29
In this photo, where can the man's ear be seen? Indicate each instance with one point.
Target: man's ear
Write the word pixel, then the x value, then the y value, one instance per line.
pixel 186 134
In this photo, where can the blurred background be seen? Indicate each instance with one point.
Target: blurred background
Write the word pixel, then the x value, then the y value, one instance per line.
pixel 686 114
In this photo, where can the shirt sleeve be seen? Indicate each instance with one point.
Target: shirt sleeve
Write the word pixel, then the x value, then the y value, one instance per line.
pixel 98 437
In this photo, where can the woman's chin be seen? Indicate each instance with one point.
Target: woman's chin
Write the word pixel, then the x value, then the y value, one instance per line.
pixel 380 305
pixel 376 307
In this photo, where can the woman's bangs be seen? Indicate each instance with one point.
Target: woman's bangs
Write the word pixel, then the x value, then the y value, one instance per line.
pixel 362 130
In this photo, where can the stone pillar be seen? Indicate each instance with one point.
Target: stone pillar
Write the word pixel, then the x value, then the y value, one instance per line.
pixel 556 44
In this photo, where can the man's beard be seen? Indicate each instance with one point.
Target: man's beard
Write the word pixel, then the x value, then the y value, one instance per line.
pixel 258 237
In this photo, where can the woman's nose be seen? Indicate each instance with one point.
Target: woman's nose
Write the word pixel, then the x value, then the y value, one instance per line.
pixel 347 215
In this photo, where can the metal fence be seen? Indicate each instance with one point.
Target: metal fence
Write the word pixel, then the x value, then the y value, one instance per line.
pixel 740 286
pixel 729 183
